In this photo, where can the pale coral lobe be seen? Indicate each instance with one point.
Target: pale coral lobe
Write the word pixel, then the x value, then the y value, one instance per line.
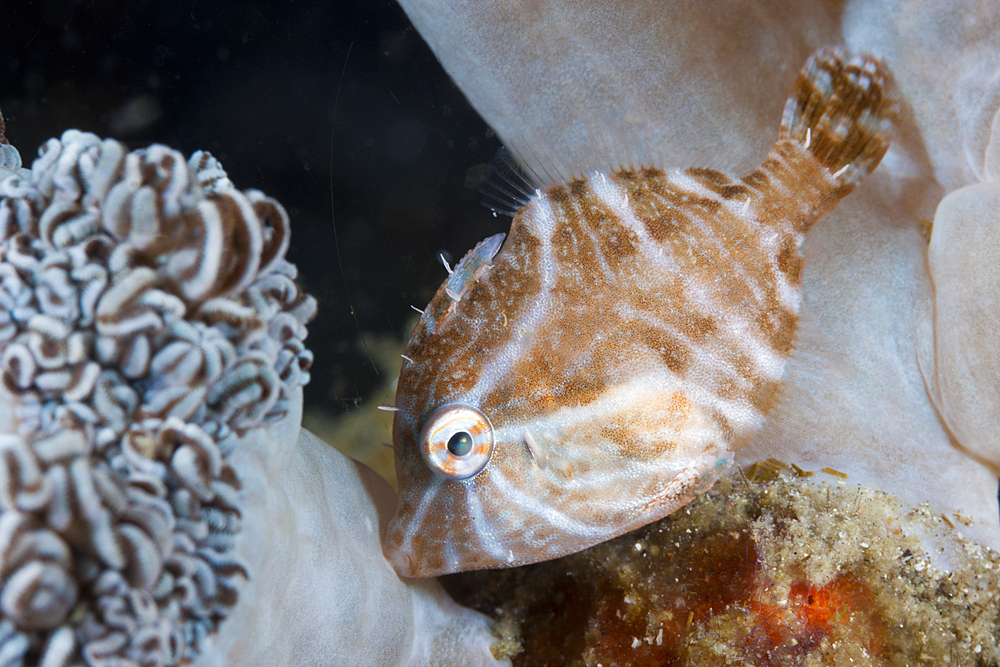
pixel 630 334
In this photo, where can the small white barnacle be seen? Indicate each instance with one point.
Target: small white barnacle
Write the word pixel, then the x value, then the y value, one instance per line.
pixel 148 319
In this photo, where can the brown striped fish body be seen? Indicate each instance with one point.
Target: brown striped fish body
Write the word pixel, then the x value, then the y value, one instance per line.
pixel 597 371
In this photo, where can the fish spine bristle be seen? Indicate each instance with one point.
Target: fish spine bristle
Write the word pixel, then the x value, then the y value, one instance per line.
pixel 843 110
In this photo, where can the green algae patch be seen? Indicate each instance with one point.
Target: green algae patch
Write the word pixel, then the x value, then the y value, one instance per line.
pixel 779 571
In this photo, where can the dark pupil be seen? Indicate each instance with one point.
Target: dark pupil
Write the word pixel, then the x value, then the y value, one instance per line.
pixel 460 444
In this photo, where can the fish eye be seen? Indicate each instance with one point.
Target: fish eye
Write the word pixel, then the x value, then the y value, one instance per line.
pixel 456 441
pixel 460 444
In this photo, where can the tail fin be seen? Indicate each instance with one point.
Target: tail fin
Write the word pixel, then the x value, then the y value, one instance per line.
pixel 842 110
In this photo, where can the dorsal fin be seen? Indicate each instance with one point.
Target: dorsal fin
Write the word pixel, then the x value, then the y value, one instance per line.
pixel 507 187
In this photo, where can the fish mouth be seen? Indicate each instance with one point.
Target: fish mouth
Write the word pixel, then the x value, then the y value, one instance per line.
pixel 401 561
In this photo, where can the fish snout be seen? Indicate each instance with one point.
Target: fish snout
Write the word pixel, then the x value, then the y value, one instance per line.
pixel 401 561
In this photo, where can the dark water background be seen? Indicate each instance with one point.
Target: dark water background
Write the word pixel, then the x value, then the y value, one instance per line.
pixel 256 84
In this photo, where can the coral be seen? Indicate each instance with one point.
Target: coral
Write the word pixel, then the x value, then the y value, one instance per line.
pixel 159 502
pixel 321 593
pixel 780 572
pixel 869 288
pixel 149 321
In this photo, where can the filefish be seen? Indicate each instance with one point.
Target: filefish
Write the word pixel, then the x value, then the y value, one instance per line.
pixel 596 370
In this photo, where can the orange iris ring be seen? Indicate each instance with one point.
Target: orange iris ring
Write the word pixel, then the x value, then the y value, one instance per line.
pixel 438 430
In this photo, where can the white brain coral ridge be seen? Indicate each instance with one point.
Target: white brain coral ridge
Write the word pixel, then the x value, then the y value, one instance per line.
pixel 148 319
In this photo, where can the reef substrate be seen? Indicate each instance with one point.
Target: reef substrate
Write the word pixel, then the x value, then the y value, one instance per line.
pixel 769 568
